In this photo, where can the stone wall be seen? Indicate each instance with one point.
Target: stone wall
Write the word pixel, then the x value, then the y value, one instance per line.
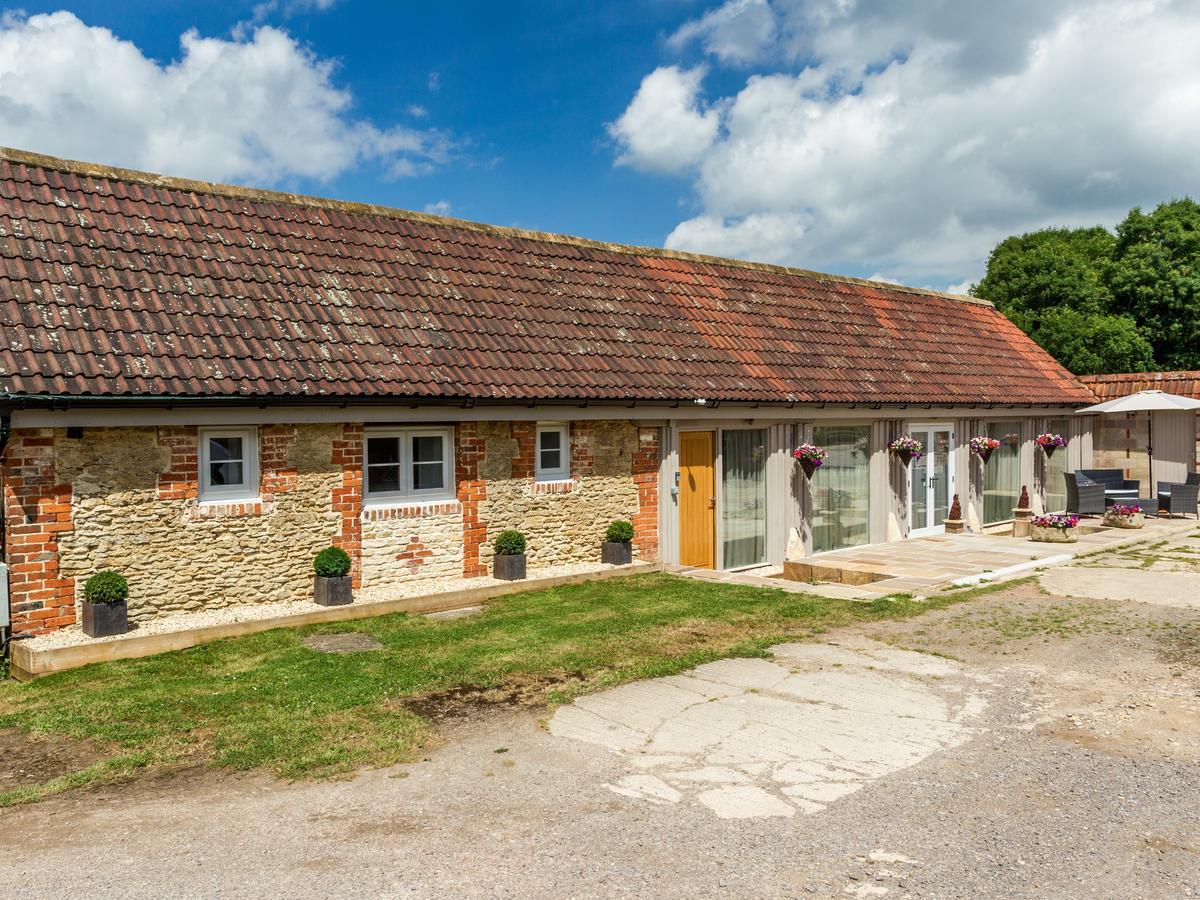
pixel 409 543
pixel 134 509
pixel 563 522
pixel 127 499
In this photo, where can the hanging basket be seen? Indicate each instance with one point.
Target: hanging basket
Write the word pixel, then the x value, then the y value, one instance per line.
pixel 1049 451
pixel 808 466
pixel 984 455
pixel 905 456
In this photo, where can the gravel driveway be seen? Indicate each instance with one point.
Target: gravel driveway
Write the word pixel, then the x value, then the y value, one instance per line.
pixel 1019 745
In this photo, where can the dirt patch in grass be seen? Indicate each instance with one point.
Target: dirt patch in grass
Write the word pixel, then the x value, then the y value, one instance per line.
pixel 468 701
pixel 27 759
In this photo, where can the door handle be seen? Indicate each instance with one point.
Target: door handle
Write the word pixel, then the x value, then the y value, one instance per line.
pixel 712 502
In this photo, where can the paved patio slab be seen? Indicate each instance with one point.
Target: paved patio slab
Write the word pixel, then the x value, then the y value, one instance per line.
pixel 756 738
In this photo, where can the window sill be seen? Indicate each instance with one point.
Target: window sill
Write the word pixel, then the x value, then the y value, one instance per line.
pixel 411 509
pixel 554 486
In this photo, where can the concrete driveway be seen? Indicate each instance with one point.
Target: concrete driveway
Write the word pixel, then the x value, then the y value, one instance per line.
pixel 1033 747
pixel 769 737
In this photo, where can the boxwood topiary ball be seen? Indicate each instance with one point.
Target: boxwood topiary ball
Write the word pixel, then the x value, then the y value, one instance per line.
pixel 332 562
pixel 106 587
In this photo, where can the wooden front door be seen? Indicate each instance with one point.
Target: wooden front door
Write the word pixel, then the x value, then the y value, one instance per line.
pixel 697 500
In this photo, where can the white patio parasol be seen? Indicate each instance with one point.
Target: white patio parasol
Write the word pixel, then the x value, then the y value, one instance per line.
pixel 1146 401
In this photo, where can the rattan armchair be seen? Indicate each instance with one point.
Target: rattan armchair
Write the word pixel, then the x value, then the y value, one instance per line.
pixel 1180 499
pixel 1084 496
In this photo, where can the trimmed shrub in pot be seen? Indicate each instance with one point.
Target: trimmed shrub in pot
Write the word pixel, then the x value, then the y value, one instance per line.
pixel 105 604
pixel 617 549
pixel 332 584
pixel 509 560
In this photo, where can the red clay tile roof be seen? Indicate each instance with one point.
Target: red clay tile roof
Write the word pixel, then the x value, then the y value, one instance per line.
pixel 118 283
pixel 1109 387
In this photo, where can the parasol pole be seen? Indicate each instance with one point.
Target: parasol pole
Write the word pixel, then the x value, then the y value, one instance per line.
pixel 1150 453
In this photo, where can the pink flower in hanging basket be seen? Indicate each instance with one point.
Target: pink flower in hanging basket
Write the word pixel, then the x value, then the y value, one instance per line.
pixel 1050 441
pixel 983 445
pixel 811 457
pixel 906 448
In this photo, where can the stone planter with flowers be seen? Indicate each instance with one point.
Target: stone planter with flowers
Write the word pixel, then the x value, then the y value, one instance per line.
pixel 1121 516
pixel 1054 529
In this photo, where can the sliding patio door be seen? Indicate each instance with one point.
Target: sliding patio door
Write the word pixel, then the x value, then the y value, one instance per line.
pixel 743 497
pixel 841 488
pixel 1002 474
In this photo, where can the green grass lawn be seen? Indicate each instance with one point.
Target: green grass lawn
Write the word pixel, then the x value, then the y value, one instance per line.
pixel 267 701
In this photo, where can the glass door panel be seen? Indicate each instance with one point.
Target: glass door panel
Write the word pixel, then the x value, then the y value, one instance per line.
pixel 841 488
pixel 743 497
pixel 1002 474
pixel 931 480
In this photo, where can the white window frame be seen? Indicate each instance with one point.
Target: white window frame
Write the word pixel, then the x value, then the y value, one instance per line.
pixel 563 472
pixel 229 493
pixel 407 494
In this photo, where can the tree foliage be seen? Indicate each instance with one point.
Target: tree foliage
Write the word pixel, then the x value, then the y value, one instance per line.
pixel 1100 302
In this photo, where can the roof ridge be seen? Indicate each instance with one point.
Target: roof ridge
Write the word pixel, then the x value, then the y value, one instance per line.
pixel 98 170
pixel 1160 375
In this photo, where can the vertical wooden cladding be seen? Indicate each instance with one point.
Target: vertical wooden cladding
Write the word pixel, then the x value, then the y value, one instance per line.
pixel 697 499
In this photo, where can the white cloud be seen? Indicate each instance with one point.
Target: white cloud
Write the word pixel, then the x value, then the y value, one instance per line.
pixel 739 31
pixel 258 109
pixel 438 208
pixel 909 138
pixel 665 128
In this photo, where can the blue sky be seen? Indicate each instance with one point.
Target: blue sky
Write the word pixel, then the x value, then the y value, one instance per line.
pixel 898 141
pixel 525 88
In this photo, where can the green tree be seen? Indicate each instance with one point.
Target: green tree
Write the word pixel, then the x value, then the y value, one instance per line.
pixel 1155 277
pixel 1054 285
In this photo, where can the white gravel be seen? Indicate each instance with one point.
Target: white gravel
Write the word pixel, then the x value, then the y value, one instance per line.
pixel 73 635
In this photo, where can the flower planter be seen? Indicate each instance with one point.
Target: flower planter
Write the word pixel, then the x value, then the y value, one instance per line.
pixel 105 619
pixel 905 456
pixel 1134 521
pixel 808 466
pixel 337 590
pixel 1049 451
pixel 509 567
pixel 616 553
pixel 1049 535
pixel 984 455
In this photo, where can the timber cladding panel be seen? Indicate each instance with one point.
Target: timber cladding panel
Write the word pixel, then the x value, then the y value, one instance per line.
pixel 126 499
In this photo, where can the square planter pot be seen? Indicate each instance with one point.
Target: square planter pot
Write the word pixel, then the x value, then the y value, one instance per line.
pixel 105 619
pixel 1125 521
pixel 508 568
pixel 335 591
pixel 616 553
pixel 1053 535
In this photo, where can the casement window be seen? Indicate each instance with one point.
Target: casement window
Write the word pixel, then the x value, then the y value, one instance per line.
pixel 552 457
pixel 408 464
pixel 228 464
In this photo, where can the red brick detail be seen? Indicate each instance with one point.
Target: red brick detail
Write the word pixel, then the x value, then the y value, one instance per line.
pixel 179 482
pixel 36 512
pixel 412 511
pixel 472 489
pixel 415 553
pixel 348 496
pixel 277 476
pixel 525 434
pixel 583 459
pixel 555 487
pixel 645 476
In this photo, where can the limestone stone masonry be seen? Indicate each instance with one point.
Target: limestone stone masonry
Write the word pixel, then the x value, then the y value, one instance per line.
pixel 126 499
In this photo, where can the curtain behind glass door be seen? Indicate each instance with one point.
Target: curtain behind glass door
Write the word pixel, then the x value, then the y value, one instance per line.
pixel 744 496
pixel 842 487
pixel 1002 474
pixel 1056 466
